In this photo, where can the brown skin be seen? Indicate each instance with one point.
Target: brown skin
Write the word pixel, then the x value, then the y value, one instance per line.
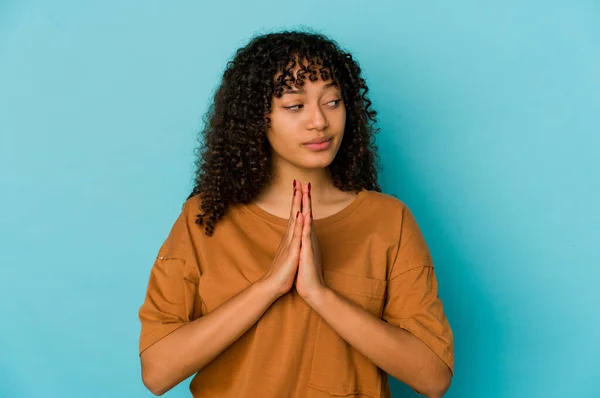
pixel 191 347
pixel 194 345
pixel 393 349
pixel 297 117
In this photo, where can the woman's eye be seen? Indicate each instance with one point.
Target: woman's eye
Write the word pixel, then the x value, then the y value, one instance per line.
pixel 296 108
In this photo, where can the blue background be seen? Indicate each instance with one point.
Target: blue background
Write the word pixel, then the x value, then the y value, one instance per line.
pixel 489 116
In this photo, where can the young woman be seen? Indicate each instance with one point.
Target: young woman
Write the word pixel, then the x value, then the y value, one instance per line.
pixel 288 273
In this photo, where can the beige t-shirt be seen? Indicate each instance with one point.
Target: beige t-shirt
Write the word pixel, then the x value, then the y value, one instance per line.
pixel 373 253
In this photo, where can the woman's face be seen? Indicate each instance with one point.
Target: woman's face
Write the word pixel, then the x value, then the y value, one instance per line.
pixel 314 112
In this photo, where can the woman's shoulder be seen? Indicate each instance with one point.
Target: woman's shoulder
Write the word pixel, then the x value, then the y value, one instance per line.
pixel 384 201
pixel 192 204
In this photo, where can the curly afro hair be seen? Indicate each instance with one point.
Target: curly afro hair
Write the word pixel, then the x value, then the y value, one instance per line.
pixel 234 157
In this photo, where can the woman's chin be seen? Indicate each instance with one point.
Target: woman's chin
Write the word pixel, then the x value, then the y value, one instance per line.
pixel 316 162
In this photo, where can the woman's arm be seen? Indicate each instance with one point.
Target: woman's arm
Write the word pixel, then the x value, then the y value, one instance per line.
pixel 391 348
pixel 191 347
pixel 401 343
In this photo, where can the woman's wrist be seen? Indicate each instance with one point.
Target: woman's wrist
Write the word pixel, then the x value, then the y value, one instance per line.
pixel 269 288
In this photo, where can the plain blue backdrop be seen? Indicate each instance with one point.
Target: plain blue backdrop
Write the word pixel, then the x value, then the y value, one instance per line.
pixel 489 117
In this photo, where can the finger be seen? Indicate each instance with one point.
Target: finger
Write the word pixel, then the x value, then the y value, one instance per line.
pixel 309 200
pixel 305 200
pixel 299 186
pixel 307 227
pixel 307 233
pixel 297 235
pixel 296 208
pixel 292 211
pixel 300 192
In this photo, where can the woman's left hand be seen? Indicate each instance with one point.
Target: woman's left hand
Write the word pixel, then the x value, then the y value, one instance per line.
pixel 309 280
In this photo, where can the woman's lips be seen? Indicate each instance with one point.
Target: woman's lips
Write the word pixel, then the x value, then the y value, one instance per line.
pixel 320 146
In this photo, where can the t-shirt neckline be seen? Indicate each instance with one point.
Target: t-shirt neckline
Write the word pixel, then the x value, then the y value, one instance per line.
pixel 346 211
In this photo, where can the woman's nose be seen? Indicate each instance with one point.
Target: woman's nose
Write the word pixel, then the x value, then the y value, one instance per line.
pixel 317 121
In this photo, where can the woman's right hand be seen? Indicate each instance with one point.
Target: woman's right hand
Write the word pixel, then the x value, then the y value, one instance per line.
pixel 285 264
pixel 200 341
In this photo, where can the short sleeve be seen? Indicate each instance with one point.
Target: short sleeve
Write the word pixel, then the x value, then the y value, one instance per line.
pixel 412 301
pixel 172 298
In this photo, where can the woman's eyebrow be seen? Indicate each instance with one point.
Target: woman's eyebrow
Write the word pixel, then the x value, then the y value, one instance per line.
pixel 301 91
